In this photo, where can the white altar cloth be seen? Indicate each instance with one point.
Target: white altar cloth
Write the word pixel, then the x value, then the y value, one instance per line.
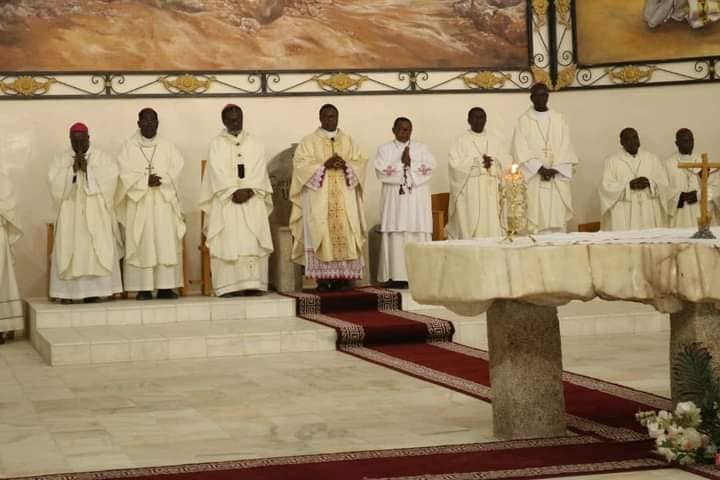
pixel 661 267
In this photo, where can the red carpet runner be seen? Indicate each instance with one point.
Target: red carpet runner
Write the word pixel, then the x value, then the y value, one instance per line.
pixel 371 325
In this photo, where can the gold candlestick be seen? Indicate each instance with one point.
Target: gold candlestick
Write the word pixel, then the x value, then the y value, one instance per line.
pixel 513 204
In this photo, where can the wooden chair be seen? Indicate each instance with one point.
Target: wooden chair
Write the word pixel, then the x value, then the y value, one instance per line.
pixel 440 203
pixel 205 273
pixel 589 227
pixel 50 244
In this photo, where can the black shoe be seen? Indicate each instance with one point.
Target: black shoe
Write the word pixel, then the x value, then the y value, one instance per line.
pixel 253 292
pixel 92 300
pixel 324 286
pixel 343 285
pixel 66 301
pixel 167 294
pixel 236 293
pixel 2 338
pixel 144 295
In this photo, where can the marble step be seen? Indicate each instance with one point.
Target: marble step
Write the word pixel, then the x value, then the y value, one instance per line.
pixel 46 314
pixel 84 345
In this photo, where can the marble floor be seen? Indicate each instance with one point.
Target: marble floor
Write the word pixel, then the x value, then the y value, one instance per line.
pixel 79 418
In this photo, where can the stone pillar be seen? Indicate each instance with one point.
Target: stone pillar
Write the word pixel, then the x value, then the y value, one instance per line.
pixel 525 370
pixel 696 322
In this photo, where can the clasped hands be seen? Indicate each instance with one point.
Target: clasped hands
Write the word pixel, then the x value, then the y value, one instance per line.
pixel 547 174
pixel 335 162
pixel 154 180
pixel 687 197
pixel 405 159
pixel 639 183
pixel 242 195
pixel 80 163
pixel 487 161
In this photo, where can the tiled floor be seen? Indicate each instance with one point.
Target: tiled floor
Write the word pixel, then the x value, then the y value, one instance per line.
pixel 58 419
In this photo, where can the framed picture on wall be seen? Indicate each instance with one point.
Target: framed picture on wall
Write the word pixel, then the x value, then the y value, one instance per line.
pixel 645 31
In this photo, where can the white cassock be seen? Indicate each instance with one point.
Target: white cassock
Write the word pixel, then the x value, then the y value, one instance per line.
pixel 238 235
pixel 683 180
pixel 625 209
pixel 11 315
pixel 152 216
pixel 405 217
pixel 543 139
pixel 474 209
pixel 84 258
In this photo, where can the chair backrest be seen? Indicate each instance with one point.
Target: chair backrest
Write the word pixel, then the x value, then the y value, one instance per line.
pixel 589 227
pixel 441 202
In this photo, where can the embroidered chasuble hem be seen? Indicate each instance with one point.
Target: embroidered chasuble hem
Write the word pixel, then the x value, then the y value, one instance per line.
pixel 337 216
pixel 247 273
pixel 332 270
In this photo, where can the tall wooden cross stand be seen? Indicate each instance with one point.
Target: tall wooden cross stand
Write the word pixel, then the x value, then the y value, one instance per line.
pixel 704 220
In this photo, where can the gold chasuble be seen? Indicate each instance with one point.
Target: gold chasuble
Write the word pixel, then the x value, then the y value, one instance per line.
pixel 327 219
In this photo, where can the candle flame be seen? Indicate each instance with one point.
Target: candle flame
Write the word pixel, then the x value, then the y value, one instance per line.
pixel 514 168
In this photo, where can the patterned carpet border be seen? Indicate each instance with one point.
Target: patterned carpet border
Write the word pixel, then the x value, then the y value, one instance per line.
pixel 191 471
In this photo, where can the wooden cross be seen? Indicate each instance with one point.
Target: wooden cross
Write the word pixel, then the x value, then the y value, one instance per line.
pixel 704 220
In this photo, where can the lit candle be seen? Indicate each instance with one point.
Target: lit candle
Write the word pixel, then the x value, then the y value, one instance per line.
pixel 513 200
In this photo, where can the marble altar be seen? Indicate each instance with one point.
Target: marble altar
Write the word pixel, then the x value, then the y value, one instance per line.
pixel 520 283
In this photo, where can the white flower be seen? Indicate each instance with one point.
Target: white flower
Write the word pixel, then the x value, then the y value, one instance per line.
pixel 667 453
pixel 655 430
pixel 664 415
pixel 690 439
pixel 674 431
pixel 689 411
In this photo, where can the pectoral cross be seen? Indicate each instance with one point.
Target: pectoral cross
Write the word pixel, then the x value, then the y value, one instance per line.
pixel 149 169
pixel 704 220
pixel 547 151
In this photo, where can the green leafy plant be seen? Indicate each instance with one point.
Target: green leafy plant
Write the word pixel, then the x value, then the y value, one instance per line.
pixel 697 382
pixel 691 433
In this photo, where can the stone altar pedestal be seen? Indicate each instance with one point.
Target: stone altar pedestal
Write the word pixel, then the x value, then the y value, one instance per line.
pixel 525 370
pixel 696 322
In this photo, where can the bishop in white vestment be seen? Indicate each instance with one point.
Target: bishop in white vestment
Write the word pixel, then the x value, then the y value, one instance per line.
pixel 541 145
pixel 327 219
pixel 149 208
pixel 634 193
pixel 236 197
pixel 11 315
pixel 405 168
pixel 85 261
pixel 476 164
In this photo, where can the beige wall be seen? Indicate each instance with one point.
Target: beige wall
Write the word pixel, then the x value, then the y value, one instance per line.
pixel 32 131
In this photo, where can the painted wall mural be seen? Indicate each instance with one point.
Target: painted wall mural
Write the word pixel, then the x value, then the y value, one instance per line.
pixel 230 35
